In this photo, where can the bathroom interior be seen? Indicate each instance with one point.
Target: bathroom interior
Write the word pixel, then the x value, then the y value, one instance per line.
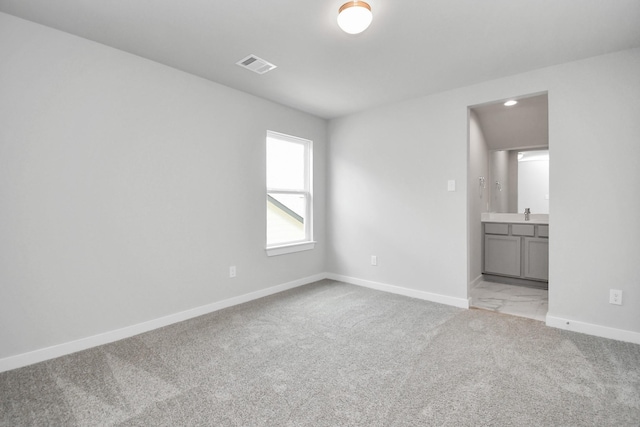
pixel 509 206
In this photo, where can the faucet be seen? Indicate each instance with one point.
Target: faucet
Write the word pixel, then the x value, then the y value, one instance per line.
pixel 527 212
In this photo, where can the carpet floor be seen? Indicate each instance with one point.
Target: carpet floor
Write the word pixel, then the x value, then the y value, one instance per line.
pixel 333 354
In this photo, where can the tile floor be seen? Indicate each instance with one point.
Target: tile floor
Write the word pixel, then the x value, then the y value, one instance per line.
pixel 509 299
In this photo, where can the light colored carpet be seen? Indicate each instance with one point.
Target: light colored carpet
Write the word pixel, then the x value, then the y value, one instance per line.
pixel 332 354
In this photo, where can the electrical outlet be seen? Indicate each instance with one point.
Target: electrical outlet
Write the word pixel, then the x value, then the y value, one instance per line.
pixel 232 271
pixel 374 260
pixel 615 296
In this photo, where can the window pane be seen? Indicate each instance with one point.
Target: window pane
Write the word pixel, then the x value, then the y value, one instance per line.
pixel 286 215
pixel 285 164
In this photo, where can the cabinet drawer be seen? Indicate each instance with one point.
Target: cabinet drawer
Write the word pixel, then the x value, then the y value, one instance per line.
pixel 490 228
pixel 522 230
pixel 543 231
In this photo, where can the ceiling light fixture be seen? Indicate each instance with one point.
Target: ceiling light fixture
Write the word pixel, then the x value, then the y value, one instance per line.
pixel 510 103
pixel 354 17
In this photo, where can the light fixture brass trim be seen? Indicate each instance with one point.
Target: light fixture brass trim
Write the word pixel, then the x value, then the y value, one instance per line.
pixel 353 4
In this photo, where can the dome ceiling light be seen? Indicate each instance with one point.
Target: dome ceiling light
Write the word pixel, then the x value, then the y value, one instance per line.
pixel 354 17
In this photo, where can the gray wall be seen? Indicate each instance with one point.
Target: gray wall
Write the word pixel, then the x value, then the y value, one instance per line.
pixel 388 196
pixel 128 189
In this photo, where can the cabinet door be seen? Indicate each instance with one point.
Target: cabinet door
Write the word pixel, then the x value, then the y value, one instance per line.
pixel 502 255
pixel 536 258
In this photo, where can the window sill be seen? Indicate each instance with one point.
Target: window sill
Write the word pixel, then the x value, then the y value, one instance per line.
pixel 290 248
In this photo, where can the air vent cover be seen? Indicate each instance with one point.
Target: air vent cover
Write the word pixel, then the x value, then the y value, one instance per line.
pixel 255 64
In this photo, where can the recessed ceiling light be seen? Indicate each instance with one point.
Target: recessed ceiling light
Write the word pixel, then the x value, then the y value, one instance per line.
pixel 510 103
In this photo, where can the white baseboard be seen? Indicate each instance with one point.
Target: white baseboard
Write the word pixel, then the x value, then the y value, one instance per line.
pixel 40 355
pixel 592 329
pixel 428 296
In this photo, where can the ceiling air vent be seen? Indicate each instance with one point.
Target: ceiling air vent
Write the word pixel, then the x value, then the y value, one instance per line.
pixel 255 64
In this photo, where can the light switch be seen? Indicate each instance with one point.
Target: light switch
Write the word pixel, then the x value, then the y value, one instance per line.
pixel 451 185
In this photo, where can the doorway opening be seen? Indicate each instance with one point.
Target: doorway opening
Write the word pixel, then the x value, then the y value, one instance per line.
pixel 508 173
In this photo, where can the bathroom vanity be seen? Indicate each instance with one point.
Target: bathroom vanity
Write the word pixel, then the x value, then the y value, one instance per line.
pixel 516 250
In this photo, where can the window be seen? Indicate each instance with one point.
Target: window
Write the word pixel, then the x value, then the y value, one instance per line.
pixel 289 203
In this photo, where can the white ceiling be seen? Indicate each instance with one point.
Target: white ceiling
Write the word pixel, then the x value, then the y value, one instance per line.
pixel 412 48
pixel 524 125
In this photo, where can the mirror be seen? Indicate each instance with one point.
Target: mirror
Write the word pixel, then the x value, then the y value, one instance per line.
pixel 519 179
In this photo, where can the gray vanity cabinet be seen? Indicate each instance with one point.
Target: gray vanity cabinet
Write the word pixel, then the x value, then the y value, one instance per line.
pixel 517 250
pixel 502 255
pixel 536 258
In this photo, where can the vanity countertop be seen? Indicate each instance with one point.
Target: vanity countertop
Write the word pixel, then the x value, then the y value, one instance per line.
pixel 515 218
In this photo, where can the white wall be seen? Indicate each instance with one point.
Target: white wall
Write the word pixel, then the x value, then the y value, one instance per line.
pixel 513 183
pixel 478 196
pixel 594 183
pixel 387 187
pixel 500 184
pixel 128 189
pixel 389 167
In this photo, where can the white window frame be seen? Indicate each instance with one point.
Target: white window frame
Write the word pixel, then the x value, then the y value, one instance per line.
pixel 307 243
